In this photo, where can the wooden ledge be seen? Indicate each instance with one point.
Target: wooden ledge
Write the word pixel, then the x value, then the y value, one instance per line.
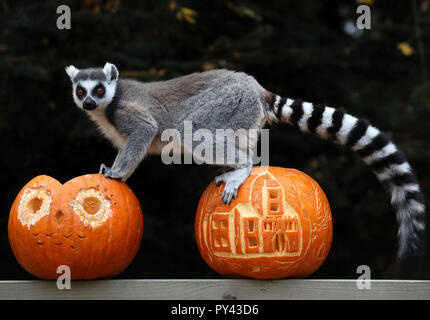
pixel 302 289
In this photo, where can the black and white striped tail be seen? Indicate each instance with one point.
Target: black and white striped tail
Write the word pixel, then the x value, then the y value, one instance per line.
pixel 377 150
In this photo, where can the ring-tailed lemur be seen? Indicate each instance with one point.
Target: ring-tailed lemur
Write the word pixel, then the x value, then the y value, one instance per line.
pixel 133 115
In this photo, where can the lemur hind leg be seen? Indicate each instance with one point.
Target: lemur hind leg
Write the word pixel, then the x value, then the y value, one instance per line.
pixel 238 157
pixel 235 156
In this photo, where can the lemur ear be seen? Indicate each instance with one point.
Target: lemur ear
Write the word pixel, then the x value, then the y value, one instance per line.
pixel 72 71
pixel 110 71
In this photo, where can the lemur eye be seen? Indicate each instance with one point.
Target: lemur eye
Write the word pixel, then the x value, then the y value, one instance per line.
pixel 80 92
pixel 100 91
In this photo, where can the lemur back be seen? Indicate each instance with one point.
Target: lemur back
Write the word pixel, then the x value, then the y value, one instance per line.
pixel 133 115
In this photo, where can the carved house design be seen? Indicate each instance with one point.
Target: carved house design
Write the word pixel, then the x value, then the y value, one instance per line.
pixel 263 224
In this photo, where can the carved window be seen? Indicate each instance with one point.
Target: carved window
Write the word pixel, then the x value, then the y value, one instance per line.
pixel 220 232
pixel 268 225
pixel 252 242
pixel 274 200
pixel 251 234
pixel 291 225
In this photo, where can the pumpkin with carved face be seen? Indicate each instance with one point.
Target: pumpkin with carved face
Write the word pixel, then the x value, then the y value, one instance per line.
pixel 91 224
pixel 279 226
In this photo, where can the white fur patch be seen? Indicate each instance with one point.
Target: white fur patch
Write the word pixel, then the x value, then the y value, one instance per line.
pixel 307 112
pixel 409 224
pixel 276 104
pixel 71 72
pixel 398 195
pixel 385 151
pixel 416 206
pixel 419 225
pixel 109 94
pixel 348 122
pixel 110 71
pixel 393 170
pixel 412 209
pixel 88 84
pixel 411 187
pixel 286 109
pixel 367 138
pixel 326 122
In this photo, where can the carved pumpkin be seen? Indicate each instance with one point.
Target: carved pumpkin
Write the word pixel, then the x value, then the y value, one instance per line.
pixel 91 224
pixel 279 226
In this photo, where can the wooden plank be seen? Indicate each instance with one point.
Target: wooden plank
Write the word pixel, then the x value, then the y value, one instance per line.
pixel 217 289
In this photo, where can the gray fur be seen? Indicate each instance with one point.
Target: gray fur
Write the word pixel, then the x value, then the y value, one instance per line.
pixel 92 74
pixel 210 100
pixel 138 114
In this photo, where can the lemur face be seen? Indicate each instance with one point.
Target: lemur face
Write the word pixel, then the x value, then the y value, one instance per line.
pixel 94 87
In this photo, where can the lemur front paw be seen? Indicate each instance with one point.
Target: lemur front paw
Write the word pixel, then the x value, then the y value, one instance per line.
pixel 109 173
pixel 230 191
pixel 103 168
pixel 233 180
pixel 222 176
pixel 230 188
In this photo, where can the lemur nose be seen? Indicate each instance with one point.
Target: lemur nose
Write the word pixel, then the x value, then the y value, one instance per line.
pixel 89 104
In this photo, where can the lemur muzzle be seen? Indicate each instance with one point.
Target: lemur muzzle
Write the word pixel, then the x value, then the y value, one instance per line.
pixel 89 104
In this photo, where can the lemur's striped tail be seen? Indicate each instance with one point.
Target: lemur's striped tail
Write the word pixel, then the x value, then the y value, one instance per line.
pixel 375 147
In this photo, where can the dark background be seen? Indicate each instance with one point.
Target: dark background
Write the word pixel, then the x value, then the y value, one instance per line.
pixel 296 48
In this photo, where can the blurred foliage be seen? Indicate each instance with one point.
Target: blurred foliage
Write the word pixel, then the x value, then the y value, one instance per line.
pixel 295 48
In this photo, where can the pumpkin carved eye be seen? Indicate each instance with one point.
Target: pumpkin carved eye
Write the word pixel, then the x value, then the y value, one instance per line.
pixel 34 205
pixel 92 207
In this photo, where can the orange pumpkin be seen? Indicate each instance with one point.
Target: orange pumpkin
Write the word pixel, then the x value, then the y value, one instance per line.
pixel 92 224
pixel 279 226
